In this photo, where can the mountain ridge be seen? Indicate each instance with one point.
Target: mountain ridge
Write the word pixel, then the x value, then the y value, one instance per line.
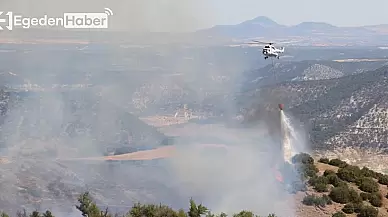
pixel 263 26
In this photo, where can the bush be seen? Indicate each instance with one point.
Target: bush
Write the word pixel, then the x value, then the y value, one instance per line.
pixel 349 173
pixel 348 208
pixel 383 180
pixel 302 158
pixel 321 187
pixel 318 180
pixel 369 185
pixel 344 194
pixel 312 200
pixel 365 171
pixel 319 183
pixel 324 160
pixel 328 172
pixel 368 211
pixel 365 196
pixel 357 207
pixel 375 200
pixel 354 197
pixel 309 200
pixel 340 195
pixel 333 180
pixel 307 170
pixel 339 214
pixel 338 163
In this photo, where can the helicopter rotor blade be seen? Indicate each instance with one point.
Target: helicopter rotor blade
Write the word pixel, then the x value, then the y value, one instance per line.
pixel 261 42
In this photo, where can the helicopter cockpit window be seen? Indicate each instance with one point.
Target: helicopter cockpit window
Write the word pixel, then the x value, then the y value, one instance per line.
pixel 266 46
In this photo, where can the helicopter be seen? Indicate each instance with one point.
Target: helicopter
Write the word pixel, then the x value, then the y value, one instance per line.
pixel 269 49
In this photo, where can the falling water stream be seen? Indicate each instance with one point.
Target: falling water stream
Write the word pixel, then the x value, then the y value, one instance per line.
pixel 288 135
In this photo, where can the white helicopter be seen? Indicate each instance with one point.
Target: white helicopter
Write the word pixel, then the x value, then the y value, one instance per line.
pixel 269 50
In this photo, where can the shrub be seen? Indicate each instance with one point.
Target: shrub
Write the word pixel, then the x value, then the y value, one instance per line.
pixel 348 208
pixel 319 183
pixel 321 187
pixel 365 171
pixel 328 172
pixel 339 214
pixel 344 194
pixel 357 207
pixel 349 173
pixel 369 185
pixel 302 158
pixel 376 200
pixel 333 180
pixel 383 180
pixel 338 163
pixel 327 199
pixel 365 196
pixel 309 200
pixel 368 211
pixel 318 180
pixel 307 170
pixel 340 195
pixel 312 200
pixel 354 197
pixel 324 160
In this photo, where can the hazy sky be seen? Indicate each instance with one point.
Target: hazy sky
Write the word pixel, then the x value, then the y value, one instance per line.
pixel 184 15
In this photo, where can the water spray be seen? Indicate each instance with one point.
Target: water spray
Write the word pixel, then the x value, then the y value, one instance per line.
pixel 286 142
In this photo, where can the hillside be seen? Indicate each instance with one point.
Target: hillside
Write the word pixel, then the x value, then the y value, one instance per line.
pixel 305 70
pixel 42 131
pixel 346 111
pixel 327 188
pixel 79 115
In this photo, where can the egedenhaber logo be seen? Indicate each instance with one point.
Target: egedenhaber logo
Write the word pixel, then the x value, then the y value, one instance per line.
pixel 68 20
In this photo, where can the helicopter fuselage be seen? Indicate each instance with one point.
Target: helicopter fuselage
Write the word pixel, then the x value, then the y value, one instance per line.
pixel 271 51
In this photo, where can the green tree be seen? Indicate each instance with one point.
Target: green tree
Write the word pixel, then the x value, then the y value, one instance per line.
pixel 181 213
pixel 3 214
pixel 244 214
pixel 196 210
pixel 35 214
pixel 48 214
pixel 87 207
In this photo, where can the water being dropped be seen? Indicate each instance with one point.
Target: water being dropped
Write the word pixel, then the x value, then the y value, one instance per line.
pixel 288 137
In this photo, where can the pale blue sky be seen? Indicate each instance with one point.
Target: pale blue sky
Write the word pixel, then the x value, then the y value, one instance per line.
pixel 291 12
